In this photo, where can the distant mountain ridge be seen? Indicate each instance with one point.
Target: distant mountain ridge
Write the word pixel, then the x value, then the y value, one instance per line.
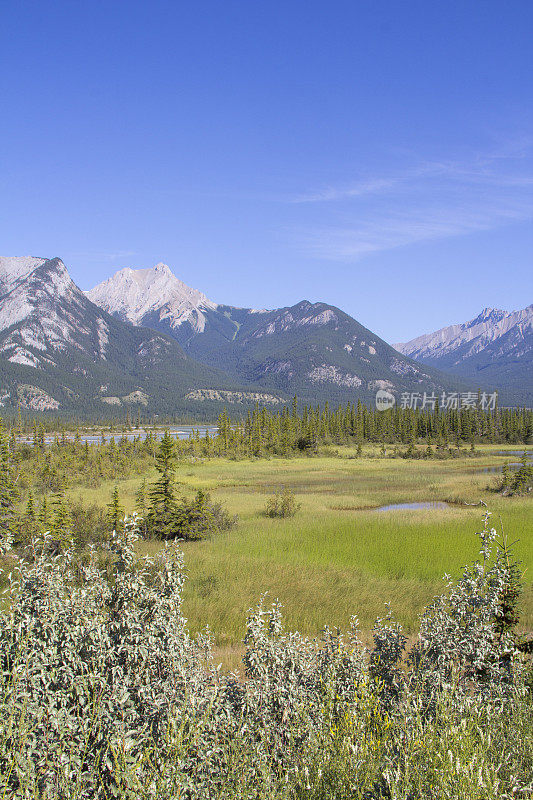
pixel 143 339
pixel 312 349
pixel 495 348
pixel 59 351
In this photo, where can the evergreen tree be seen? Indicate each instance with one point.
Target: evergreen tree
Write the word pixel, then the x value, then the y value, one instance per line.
pixel 162 515
pixel 115 512
pixel 295 407
pixel 43 518
pixel 30 509
pixel 506 478
pixel 141 499
pixel 19 422
pixel 194 519
pixel 224 428
pixel 28 526
pixel 8 492
pixel 61 526
pixel 207 443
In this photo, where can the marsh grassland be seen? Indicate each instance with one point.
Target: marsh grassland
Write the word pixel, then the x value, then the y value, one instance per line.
pixel 338 555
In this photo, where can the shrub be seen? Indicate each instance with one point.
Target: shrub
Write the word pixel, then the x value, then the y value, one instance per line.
pixel 104 694
pixel 197 518
pixel 189 519
pixel 308 444
pixel 89 673
pixel 89 523
pixel 519 482
pixel 282 504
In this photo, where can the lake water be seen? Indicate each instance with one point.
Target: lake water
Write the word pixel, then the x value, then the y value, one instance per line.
pixel 178 432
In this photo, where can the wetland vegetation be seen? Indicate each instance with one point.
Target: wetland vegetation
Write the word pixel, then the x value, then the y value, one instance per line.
pixel 285 506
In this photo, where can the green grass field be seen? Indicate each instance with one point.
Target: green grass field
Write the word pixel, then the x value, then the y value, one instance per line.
pixel 337 556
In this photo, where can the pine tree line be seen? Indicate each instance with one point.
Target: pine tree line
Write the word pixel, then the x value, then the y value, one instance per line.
pixel 265 431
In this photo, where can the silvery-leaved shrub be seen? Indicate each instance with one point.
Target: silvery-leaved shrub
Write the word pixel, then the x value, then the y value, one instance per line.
pixel 385 663
pixel 104 694
pixel 462 643
pixel 92 670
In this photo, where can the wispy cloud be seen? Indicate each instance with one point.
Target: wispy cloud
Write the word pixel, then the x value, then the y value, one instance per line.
pixel 360 189
pixel 482 170
pixel 432 200
pixel 119 255
pixel 388 231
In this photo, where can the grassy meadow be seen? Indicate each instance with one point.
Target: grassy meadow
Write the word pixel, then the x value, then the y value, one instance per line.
pixel 338 556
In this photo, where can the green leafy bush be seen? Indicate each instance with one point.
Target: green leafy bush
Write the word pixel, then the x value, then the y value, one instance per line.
pixel 519 482
pixel 188 519
pixel 282 504
pixel 90 524
pixel 198 517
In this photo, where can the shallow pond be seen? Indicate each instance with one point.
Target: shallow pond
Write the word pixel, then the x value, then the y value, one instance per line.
pixel 515 453
pixel 434 504
pixel 512 467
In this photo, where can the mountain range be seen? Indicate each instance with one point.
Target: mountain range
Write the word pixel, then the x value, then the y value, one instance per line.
pixel 312 349
pixel 60 352
pixel 145 340
pixel 495 350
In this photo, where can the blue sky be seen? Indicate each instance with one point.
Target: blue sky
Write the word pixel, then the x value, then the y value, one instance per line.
pixel 374 155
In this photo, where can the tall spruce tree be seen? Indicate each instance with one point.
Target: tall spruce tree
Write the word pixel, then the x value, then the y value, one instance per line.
pixel 43 517
pixel 162 514
pixel 8 492
pixel 61 528
pixel 115 512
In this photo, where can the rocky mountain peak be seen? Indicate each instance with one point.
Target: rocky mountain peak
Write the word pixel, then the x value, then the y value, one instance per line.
pixel 496 347
pixel 59 350
pixel 162 268
pixel 147 296
pixel 49 327
pixel 14 268
pixel 489 315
